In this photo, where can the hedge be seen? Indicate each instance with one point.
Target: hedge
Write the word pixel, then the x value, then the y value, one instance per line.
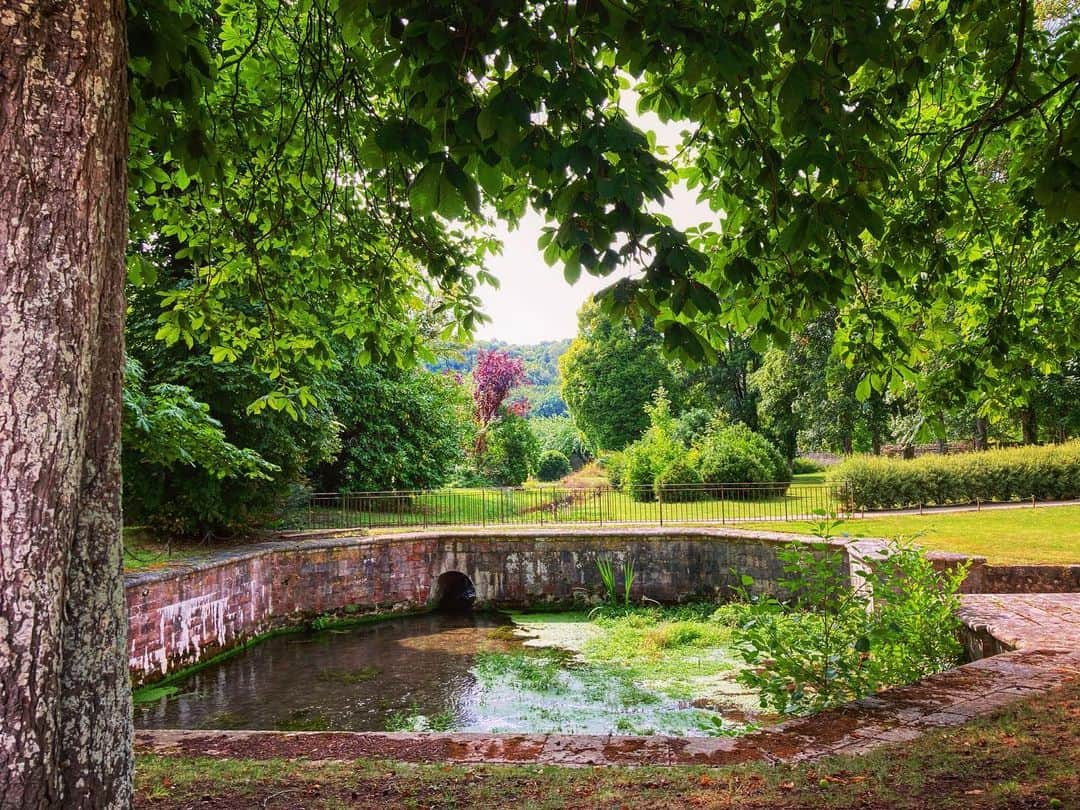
pixel 1021 473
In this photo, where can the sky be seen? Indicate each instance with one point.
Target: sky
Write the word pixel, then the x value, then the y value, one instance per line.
pixel 534 302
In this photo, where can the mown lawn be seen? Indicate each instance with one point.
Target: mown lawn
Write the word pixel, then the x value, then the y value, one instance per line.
pixel 1018 758
pixel 1047 534
pixel 554 503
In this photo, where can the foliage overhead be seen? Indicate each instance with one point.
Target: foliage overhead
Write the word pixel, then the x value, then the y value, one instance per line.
pixel 323 167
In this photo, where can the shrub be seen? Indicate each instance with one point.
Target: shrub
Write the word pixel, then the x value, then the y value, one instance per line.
pixel 694 423
pixel 614 464
pixel 639 473
pixel 678 482
pixel 734 454
pixel 654 452
pixel 553 466
pixel 561 433
pixel 830 643
pixel 1021 473
pixel 806 465
pixel 512 451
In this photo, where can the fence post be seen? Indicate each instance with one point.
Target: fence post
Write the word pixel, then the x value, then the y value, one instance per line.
pixel 483 506
pixel 660 502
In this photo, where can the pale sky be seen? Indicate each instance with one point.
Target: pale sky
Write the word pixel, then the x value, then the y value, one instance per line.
pixel 534 302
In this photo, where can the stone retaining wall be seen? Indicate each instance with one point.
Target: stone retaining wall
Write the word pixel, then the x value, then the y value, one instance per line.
pixel 984 577
pixel 182 615
pixel 186 613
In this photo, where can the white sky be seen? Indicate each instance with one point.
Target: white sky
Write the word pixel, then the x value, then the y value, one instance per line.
pixel 534 302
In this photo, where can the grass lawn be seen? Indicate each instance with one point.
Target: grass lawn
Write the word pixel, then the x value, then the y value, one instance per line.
pixel 554 503
pixel 1014 759
pixel 1049 534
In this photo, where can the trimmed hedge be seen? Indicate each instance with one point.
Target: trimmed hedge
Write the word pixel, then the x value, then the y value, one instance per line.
pixel 1021 473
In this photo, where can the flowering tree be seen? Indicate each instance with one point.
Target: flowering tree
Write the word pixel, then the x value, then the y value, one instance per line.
pixel 495 374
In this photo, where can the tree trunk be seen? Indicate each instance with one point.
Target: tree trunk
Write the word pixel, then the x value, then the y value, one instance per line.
pixel 982 433
pixel 1029 425
pixel 65 701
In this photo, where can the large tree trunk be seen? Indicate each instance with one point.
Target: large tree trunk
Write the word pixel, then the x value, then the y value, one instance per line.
pixel 65 702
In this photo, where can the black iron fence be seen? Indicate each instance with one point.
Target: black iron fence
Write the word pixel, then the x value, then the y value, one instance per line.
pixel 544 505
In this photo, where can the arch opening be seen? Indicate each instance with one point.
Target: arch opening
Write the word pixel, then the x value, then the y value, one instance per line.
pixel 454 593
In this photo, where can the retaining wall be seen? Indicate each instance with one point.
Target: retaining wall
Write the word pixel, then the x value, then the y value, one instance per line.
pixel 184 614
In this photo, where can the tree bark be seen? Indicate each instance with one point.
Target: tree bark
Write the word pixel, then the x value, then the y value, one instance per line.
pixel 1029 425
pixel 65 700
pixel 982 433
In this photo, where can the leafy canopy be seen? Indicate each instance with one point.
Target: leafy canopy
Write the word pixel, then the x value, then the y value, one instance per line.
pixel 324 167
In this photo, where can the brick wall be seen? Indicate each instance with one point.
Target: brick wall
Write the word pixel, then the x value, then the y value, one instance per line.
pixel 185 614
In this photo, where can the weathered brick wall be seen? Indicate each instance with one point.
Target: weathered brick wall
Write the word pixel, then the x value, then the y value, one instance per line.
pixel 984 577
pixel 185 614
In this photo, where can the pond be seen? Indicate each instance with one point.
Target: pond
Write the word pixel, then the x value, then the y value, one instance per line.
pixel 640 672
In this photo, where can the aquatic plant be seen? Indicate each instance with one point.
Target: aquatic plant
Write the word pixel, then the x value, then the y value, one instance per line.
pixel 628 579
pixel 606 570
pixel 349 676
pixel 538 673
pixel 607 576
pixel 154 693
pixel 303 720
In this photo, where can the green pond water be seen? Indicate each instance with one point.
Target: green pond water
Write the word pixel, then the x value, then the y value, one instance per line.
pixel 650 672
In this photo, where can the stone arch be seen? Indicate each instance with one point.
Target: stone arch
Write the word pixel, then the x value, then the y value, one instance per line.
pixel 453 592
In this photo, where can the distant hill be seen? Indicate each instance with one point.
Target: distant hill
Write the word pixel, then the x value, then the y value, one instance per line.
pixel 541 364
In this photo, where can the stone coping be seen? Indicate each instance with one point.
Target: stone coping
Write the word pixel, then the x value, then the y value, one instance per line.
pixel 983 577
pixel 1044 629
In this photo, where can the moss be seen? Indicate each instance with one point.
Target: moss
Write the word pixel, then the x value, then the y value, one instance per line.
pixel 152 694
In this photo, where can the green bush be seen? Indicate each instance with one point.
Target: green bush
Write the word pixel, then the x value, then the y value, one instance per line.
pixel 639 473
pixel 829 643
pixel 553 466
pixel 654 452
pixel 561 433
pixel 803 465
pixel 1021 473
pixel 614 464
pixel 678 482
pixel 512 452
pixel 734 454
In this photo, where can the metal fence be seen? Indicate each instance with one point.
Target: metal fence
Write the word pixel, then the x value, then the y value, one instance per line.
pixel 548 505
